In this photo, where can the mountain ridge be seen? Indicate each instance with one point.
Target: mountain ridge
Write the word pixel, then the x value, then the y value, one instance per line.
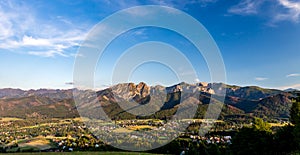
pixel 249 100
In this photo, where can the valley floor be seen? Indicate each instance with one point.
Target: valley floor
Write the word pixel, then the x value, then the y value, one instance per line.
pixel 72 135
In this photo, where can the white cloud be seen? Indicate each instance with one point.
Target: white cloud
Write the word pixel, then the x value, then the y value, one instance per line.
pixel 14 16
pixel 292 13
pixel 293 75
pixel 30 41
pixel 274 10
pixel 5 27
pixel 52 46
pixel 35 35
pixel 246 7
pixel 50 53
pixel 294 86
pixel 182 4
pixel 69 83
pixel 260 78
pixel 139 32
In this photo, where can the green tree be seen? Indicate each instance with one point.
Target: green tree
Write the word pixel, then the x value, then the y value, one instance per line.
pixel 284 139
pixel 295 112
pixel 257 139
pixel 251 141
pixel 296 134
pixel 295 119
pixel 261 125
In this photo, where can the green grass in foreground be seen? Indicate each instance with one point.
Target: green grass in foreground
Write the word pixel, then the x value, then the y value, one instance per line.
pixel 83 153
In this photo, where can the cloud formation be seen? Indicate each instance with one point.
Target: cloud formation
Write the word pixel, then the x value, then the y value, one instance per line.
pixel 294 86
pixel 197 80
pixel 69 83
pixel 246 7
pixel 22 29
pixel 291 13
pixel 260 79
pixel 293 75
pixel 36 36
pixel 282 10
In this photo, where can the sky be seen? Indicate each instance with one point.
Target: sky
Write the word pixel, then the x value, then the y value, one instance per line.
pixel 259 41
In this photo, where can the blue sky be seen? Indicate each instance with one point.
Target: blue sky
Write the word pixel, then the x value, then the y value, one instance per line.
pixel 258 39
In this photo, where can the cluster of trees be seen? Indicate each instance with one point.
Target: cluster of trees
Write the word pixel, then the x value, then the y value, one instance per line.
pixel 255 139
pixel 259 139
pixel 295 119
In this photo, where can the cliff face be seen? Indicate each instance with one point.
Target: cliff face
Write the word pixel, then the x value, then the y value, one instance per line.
pixel 130 91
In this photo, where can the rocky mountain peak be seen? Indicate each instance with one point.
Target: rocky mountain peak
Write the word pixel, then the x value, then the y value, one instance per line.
pixel 141 89
pixel 130 90
pixel 174 89
pixel 203 84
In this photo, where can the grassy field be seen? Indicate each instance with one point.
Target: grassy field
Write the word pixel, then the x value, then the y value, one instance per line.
pixel 278 124
pixel 122 130
pixel 85 153
pixel 7 119
pixel 140 127
pixel 40 144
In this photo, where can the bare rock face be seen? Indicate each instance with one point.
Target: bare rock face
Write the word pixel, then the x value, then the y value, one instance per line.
pixel 131 91
pixel 142 89
pixel 174 89
pixel 191 88
pixel 203 84
pixel 123 91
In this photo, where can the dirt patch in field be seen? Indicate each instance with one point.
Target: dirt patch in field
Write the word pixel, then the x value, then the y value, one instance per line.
pixel 41 144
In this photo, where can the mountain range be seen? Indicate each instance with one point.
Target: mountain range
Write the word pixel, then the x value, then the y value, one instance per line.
pixel 125 101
